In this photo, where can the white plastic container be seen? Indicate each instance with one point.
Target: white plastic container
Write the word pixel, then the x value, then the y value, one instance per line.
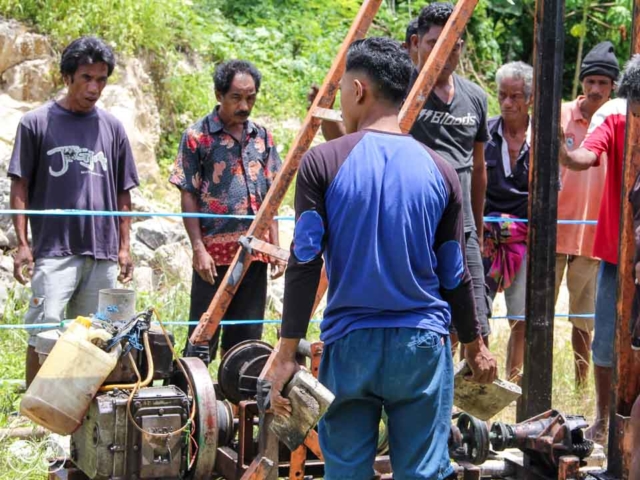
pixel 61 393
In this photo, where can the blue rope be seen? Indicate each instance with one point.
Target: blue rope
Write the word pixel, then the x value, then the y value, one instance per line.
pixel 179 323
pixel 249 322
pixel 524 220
pixel 558 315
pixel 104 213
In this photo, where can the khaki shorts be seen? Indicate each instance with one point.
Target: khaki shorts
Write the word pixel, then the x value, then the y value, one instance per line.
pixel 65 287
pixel 582 273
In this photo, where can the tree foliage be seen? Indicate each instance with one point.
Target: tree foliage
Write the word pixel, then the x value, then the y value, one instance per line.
pixel 293 42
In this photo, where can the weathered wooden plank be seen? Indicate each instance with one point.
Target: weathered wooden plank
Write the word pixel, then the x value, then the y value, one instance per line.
pixel 626 374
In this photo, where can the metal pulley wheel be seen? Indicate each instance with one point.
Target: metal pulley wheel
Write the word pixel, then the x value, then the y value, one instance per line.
pixel 475 438
pixel 226 428
pixel 205 428
pixel 502 436
pixel 239 370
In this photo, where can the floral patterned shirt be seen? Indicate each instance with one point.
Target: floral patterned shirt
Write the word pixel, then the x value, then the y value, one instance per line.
pixel 227 176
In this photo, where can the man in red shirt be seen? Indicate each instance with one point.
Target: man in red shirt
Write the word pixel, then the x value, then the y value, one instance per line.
pixel 605 142
pixel 580 199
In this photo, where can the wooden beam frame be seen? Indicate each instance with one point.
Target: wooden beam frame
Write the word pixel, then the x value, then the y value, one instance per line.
pixel 626 374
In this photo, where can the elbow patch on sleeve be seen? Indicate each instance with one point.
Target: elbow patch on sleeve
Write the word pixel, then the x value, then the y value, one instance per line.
pixel 307 236
pixel 450 269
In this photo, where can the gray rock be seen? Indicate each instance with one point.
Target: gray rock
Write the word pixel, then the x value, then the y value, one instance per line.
pixel 4 295
pixel 13 238
pixel 5 188
pixel 143 279
pixel 142 255
pixel 157 232
pixel 31 80
pixel 8 238
pixel 6 264
pixel 4 240
pixel 18 44
pixel 174 261
pixel 139 203
pixel 131 101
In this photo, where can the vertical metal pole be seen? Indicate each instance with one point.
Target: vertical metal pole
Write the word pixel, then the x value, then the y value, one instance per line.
pixel 543 195
pixel 626 374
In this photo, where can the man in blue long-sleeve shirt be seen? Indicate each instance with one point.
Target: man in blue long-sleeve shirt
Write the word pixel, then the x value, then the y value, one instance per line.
pixel 387 213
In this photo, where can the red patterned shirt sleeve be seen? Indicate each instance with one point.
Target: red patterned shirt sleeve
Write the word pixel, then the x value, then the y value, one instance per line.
pixel 186 169
pixel 273 163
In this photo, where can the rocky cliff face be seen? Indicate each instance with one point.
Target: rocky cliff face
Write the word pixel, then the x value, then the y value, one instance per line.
pixel 29 77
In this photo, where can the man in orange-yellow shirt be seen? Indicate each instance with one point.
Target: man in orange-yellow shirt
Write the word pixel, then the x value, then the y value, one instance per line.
pixel 579 199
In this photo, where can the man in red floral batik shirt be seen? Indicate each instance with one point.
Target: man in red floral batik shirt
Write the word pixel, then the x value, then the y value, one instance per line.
pixel 225 165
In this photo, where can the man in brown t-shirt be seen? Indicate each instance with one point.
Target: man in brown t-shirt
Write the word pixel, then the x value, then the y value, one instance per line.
pixel 69 154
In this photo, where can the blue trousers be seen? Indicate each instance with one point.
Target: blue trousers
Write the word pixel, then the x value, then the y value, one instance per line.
pixel 605 323
pixel 409 373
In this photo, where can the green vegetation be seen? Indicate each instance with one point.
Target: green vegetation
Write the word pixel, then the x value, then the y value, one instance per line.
pixel 293 43
pixel 173 303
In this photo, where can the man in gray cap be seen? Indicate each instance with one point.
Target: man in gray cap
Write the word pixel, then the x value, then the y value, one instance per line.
pixel 580 199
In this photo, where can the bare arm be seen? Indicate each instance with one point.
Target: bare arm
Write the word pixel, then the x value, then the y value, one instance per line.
pixel 124 252
pixel 578 159
pixel 19 200
pixel 332 130
pixel 189 204
pixel 478 187
pixel 202 261
pixel 277 267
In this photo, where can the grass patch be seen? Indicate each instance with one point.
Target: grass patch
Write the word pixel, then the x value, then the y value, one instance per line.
pixel 172 301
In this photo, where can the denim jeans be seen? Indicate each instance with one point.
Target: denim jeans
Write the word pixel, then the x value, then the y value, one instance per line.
pixel 408 373
pixel 605 324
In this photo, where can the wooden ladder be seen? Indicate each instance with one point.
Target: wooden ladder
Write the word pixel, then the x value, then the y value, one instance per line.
pixel 319 111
